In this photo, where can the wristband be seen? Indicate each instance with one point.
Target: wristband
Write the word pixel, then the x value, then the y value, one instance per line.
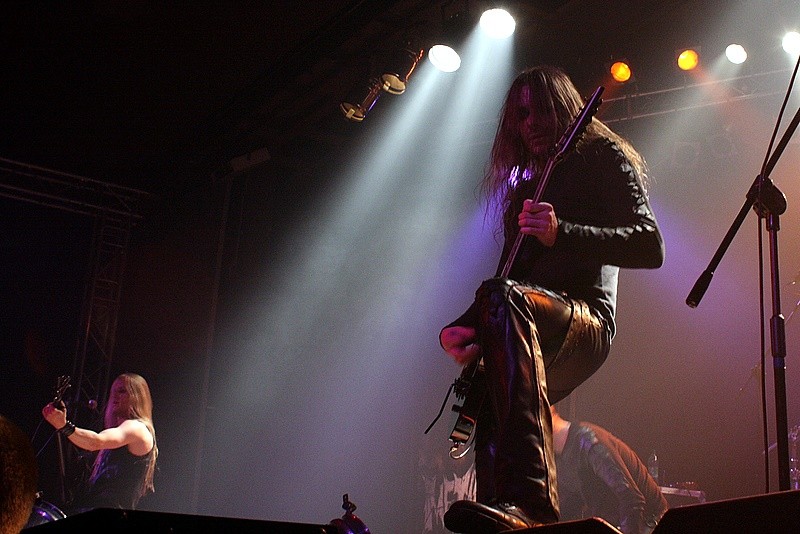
pixel 67 429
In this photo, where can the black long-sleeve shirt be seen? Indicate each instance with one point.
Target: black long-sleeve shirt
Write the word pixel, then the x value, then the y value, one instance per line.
pixel 604 222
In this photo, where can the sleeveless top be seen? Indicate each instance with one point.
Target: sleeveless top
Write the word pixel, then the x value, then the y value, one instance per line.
pixel 119 480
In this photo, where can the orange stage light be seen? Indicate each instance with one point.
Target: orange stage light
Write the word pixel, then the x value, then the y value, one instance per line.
pixel 621 71
pixel 688 59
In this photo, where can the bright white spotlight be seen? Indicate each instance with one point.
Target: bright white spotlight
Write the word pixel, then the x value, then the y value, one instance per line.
pixel 444 58
pixel 497 23
pixel 791 43
pixel 736 54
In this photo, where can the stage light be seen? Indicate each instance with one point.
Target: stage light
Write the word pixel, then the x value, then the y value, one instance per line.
pixel 444 58
pixel 736 54
pixel 444 53
pixel 688 59
pixel 791 43
pixel 621 71
pixel 497 23
pixel 357 111
pixel 399 67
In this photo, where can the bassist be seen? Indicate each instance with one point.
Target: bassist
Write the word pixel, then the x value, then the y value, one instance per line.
pixel 547 324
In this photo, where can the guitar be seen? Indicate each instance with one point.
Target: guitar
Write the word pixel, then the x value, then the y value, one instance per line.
pixel 470 386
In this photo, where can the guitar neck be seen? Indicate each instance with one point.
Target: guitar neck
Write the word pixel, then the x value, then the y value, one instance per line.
pixel 537 196
pixel 62 385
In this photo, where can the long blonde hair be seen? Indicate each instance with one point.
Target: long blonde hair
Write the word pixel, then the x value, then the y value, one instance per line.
pixel 140 408
pixel 552 94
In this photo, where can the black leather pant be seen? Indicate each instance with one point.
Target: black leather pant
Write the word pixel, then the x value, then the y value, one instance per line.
pixel 537 347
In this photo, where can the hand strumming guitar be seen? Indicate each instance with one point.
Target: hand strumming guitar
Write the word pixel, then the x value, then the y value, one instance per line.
pixel 459 342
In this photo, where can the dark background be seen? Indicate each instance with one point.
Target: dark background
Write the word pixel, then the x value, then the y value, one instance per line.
pixel 286 313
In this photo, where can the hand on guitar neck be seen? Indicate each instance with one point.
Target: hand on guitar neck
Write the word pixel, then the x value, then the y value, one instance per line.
pixel 56 412
pixel 460 343
pixel 538 219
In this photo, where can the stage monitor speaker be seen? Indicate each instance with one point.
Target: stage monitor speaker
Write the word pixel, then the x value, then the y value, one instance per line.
pixel 105 520
pixel 593 525
pixel 773 513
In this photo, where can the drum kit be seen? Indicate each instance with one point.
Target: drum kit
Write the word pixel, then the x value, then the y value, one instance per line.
pixel 44 512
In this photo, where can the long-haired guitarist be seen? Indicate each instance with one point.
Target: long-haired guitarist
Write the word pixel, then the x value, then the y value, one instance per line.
pixel 126 448
pixel 545 323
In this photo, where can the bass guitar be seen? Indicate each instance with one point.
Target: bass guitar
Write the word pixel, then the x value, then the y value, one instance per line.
pixel 470 386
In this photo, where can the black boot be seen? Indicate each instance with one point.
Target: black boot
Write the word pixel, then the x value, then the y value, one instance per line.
pixel 524 470
pixel 469 517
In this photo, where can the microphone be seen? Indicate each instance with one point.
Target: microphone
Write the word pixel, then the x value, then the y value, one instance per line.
pixel 699 289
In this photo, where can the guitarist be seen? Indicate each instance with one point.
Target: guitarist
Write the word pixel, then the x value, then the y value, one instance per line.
pixel 547 326
pixel 126 448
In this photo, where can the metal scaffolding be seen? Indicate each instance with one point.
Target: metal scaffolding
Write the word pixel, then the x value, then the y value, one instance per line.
pixel 693 96
pixel 115 211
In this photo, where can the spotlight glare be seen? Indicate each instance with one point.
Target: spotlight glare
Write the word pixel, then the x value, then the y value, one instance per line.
pixel 791 43
pixel 736 54
pixel 497 23
pixel 688 59
pixel 620 71
pixel 444 58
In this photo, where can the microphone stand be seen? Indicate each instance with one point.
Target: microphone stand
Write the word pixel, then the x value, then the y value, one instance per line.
pixel 768 202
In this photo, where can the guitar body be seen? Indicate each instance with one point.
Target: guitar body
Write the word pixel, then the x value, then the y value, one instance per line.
pixel 470 388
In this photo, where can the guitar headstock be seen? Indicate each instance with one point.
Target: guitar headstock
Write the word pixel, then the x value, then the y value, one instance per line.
pixel 571 136
pixel 62 385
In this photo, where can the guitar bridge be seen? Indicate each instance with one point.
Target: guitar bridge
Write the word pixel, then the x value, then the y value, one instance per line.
pixel 461 387
pixel 463 383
